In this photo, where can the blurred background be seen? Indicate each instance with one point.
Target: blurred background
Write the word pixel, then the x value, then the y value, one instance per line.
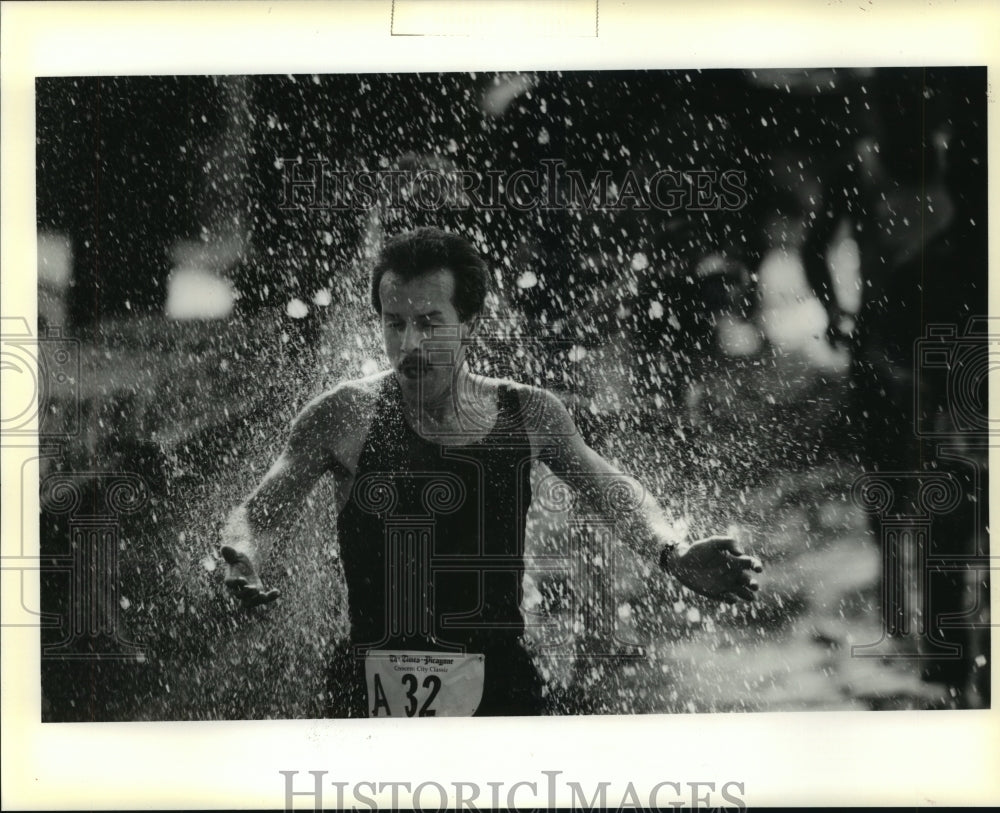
pixel 806 370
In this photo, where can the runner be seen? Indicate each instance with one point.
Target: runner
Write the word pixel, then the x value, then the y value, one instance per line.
pixel 431 465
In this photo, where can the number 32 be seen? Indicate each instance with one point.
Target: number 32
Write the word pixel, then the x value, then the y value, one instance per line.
pixel 432 682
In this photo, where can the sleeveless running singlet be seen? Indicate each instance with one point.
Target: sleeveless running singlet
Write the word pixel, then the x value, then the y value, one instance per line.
pixel 432 544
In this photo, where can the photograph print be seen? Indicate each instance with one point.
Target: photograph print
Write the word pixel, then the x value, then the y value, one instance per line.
pixel 545 393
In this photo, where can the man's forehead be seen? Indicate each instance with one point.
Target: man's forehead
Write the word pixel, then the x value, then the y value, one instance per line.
pixel 432 289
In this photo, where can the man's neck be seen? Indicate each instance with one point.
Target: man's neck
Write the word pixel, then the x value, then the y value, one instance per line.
pixel 439 410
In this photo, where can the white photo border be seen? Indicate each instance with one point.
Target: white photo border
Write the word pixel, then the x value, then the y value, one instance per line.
pixel 802 759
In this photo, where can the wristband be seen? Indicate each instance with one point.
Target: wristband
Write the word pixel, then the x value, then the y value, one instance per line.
pixel 666 554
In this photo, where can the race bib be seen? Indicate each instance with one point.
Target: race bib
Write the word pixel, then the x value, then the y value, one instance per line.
pixel 403 683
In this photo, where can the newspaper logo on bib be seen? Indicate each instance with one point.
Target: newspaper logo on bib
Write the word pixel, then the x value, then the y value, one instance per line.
pixel 404 683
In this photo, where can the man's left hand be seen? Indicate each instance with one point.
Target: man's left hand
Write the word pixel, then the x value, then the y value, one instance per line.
pixel 715 567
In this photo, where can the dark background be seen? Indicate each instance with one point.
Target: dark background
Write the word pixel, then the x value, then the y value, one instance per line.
pixel 135 174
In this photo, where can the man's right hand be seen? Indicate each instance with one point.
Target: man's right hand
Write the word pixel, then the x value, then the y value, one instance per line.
pixel 242 580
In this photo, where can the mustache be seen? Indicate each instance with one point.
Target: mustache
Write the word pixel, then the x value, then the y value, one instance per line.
pixel 415 362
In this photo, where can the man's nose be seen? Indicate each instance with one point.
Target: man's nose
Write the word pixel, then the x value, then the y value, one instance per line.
pixel 411 339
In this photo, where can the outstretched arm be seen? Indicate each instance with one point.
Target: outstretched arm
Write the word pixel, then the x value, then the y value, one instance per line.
pixel 714 567
pixel 252 528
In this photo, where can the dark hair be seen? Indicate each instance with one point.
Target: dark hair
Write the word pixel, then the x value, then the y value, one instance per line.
pixel 428 249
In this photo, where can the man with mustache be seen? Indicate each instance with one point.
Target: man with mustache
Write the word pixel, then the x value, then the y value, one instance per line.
pixel 431 464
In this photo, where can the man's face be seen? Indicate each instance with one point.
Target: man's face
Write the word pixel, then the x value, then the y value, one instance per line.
pixel 422 332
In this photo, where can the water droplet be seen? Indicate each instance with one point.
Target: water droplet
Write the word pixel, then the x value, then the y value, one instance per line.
pixel 527 280
pixel 297 309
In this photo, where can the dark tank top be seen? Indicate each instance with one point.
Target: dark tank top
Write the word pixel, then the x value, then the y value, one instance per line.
pixel 432 544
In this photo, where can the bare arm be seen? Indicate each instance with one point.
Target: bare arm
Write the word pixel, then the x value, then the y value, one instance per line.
pixel 714 567
pixel 252 529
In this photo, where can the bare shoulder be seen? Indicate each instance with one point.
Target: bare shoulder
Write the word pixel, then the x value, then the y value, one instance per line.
pixel 527 395
pixel 542 404
pixel 487 383
pixel 358 393
pixel 340 401
pixel 548 423
pixel 337 417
